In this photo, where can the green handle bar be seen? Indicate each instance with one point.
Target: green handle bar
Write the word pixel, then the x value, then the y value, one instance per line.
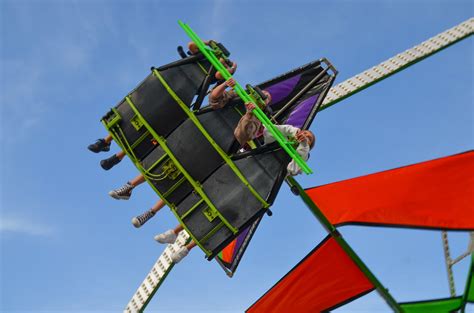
pixel 209 54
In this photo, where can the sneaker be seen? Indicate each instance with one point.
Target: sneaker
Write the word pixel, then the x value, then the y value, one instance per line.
pixel 107 164
pixel 99 145
pixel 122 193
pixel 143 218
pixel 177 256
pixel 167 237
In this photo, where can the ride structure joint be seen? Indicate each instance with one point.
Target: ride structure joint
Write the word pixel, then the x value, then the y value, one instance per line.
pixel 112 118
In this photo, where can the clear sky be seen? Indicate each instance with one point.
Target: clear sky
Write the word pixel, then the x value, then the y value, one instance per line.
pixel 66 246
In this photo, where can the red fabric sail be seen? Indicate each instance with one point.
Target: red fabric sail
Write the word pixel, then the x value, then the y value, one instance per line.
pixel 434 194
pixel 325 279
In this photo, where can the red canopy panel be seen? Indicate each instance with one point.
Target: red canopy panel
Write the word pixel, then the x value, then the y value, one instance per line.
pixel 435 194
pixel 325 279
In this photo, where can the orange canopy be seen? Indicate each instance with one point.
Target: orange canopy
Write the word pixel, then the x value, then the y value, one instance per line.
pixel 325 279
pixel 434 194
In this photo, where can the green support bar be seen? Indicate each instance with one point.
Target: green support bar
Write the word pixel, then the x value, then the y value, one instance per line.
pixel 209 54
pixel 344 245
pixel 469 290
pixel 433 306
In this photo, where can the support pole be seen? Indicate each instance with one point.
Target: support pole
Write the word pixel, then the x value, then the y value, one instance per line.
pixel 156 277
pixel 449 263
pixel 468 284
pixel 343 244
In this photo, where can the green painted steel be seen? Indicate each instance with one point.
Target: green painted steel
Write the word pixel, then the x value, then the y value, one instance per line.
pixel 470 285
pixel 469 290
pixel 344 245
pixel 435 306
pixel 162 158
pixel 192 209
pixel 124 146
pixel 212 232
pixel 117 118
pixel 174 187
pixel 209 54
pixel 122 143
pixel 140 140
pixel 219 150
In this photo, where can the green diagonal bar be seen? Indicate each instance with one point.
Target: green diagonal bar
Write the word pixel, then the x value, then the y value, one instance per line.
pixel 469 290
pixel 433 306
pixel 209 54
pixel 331 229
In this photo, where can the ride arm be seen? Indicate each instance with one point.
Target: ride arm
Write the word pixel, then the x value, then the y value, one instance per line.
pixel 219 90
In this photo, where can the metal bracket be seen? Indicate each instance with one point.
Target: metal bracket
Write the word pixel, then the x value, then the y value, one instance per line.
pixel 136 122
pixel 210 213
pixel 170 169
pixel 112 118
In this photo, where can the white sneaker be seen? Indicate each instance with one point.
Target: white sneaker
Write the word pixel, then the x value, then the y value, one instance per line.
pixel 167 237
pixel 177 256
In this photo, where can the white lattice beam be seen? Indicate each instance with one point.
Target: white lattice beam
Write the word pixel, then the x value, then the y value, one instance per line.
pixel 155 278
pixel 399 62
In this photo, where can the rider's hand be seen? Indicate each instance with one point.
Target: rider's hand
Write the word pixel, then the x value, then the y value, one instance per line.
pixel 250 106
pixel 230 82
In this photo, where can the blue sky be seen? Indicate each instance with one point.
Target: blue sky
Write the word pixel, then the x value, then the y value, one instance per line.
pixel 66 246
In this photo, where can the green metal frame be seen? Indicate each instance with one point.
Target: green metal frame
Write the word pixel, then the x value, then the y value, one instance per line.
pixel 140 140
pixel 344 245
pixel 209 54
pixel 117 134
pixel 124 145
pixel 469 285
pixel 111 127
pixel 191 209
pixel 174 187
pixel 161 159
pixel 433 306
